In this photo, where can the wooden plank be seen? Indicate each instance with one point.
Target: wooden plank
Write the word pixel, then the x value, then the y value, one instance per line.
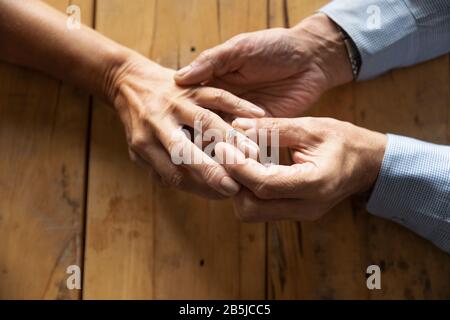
pixel 324 259
pixel 413 102
pixel 187 239
pixel 236 17
pixel 119 230
pixel 278 17
pixel 192 231
pixel 148 242
pixel 43 128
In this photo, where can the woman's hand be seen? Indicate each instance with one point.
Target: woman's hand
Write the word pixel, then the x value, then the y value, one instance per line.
pixel 331 160
pixel 282 70
pixel 144 94
pixel 153 109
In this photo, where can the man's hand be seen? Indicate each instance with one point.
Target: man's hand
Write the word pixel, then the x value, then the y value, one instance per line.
pixel 282 70
pixel 153 109
pixel 331 160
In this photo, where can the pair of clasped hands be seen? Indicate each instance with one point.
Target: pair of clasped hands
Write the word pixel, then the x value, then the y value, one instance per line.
pixel 263 80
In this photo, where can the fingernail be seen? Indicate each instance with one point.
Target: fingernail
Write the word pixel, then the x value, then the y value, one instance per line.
pixel 229 187
pixel 183 71
pixel 244 124
pixel 257 111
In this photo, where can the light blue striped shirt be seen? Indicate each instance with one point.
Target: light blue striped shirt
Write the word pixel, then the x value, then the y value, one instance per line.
pixel 413 187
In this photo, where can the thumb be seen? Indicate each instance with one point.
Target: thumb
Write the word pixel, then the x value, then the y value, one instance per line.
pixel 209 64
pixel 285 132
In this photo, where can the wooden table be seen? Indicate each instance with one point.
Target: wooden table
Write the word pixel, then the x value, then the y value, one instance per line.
pixel 70 196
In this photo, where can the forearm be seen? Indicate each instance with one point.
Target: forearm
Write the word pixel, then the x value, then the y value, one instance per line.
pixel 413 188
pixel 34 35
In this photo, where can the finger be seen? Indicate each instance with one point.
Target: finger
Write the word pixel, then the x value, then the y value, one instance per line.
pixel 136 158
pixel 183 152
pixel 267 182
pixel 288 131
pixel 250 208
pixel 202 189
pixel 221 100
pixel 171 175
pixel 209 64
pixel 211 125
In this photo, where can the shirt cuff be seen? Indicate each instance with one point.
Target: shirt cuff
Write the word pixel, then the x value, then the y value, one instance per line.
pixel 413 188
pixel 383 31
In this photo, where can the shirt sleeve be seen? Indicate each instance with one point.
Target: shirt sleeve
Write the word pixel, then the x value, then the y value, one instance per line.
pixel 393 33
pixel 413 188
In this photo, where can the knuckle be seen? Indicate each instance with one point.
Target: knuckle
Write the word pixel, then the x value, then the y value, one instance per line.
pixel 249 208
pixel 172 105
pixel 242 43
pixel 238 40
pixel 219 96
pixel 324 189
pixel 175 109
pixel 309 121
pixel 237 103
pixel 164 107
pixel 138 142
pixel 206 55
pixel 175 179
pixel 174 144
pixel 248 213
pixel 210 55
pixel 264 190
pixel 323 192
pixel 204 117
pixel 209 173
pixel 193 93
pixel 234 40
pixel 270 124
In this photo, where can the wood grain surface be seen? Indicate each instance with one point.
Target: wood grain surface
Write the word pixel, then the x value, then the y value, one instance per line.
pixel 43 126
pixel 70 195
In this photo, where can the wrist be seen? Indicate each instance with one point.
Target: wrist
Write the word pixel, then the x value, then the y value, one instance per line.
pixel 326 48
pixel 130 70
pixel 371 150
pixel 136 76
pixel 115 67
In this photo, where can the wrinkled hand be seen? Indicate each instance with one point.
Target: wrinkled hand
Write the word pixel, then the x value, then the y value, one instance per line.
pixel 331 160
pixel 152 108
pixel 282 70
